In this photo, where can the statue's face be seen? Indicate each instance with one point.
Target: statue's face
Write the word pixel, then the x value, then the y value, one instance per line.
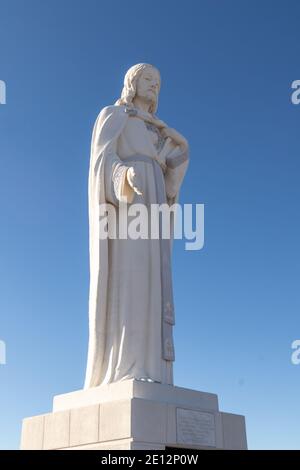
pixel 148 85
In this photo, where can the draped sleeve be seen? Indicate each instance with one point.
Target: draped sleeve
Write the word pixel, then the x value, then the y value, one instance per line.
pixel 105 147
pixel 176 161
pixel 116 185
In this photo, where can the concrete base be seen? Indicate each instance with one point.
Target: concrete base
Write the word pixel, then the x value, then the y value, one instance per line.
pixel 135 415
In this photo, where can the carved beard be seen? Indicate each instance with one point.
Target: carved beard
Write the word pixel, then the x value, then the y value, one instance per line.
pixel 151 99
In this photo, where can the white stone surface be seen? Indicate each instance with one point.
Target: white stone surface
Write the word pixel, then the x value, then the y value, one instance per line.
pixel 234 431
pixel 149 421
pixel 115 420
pixel 57 430
pixel 136 389
pixel 122 444
pixel 130 420
pixel 84 425
pixel 33 433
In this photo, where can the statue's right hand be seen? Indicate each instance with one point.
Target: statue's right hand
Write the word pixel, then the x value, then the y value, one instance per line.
pixel 134 180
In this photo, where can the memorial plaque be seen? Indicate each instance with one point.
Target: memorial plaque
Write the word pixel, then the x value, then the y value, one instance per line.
pixel 196 428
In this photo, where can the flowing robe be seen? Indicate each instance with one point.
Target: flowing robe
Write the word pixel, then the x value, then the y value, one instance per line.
pixel 131 310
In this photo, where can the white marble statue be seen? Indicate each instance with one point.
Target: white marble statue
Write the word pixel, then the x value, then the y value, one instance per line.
pixel 135 157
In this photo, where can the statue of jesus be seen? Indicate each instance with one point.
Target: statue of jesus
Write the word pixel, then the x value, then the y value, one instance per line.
pixel 136 158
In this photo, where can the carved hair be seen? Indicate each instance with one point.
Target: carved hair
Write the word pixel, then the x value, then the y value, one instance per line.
pixel 130 84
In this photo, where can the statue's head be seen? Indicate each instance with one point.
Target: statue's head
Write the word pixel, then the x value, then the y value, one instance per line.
pixel 143 81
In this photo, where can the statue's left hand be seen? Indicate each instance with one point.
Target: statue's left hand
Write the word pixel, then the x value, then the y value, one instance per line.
pixel 134 180
pixel 175 136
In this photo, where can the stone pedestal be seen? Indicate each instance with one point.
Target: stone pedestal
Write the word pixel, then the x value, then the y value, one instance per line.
pixel 135 415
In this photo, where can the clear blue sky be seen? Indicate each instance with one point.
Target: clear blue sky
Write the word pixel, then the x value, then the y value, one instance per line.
pixel 227 67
